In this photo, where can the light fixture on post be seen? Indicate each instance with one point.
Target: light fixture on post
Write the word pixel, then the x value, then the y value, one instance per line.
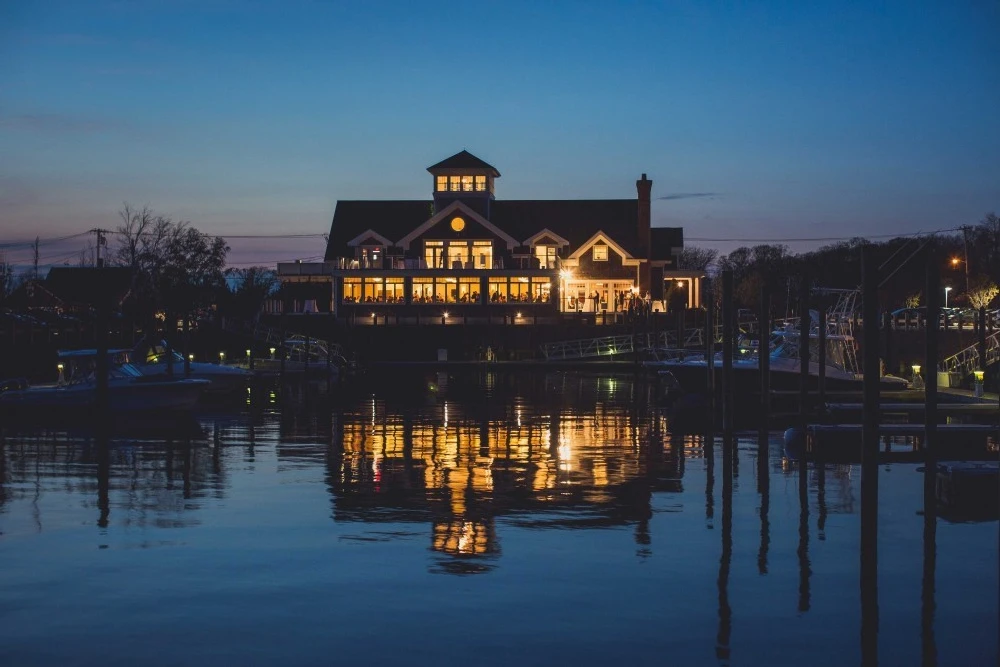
pixel 946 290
pixel 222 357
pixel 916 380
pixel 190 357
pixel 272 352
pixel 62 380
pixel 980 376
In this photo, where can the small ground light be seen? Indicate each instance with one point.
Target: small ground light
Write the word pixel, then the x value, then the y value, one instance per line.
pixel 222 357
pixel 248 354
pixel 60 367
pixel 446 314
pixel 373 315
pixel 519 315
pixel 190 357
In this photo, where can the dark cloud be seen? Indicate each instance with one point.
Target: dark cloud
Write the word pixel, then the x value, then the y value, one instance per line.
pixel 690 195
pixel 59 123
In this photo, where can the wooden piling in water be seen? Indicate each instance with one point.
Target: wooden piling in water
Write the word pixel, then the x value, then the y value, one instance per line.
pixel 101 343
pixel 727 350
pixel 933 305
pixel 869 460
pixel 764 360
pixel 805 323
pixel 821 355
pixel 710 344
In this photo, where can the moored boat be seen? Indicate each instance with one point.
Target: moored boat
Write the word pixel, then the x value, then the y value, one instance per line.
pixel 129 391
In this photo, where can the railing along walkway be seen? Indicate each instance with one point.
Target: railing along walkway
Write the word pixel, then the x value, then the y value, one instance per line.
pixel 274 337
pixel 608 346
pixel 967 360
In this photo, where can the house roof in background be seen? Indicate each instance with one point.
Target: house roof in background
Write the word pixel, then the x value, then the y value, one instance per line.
pixel 84 284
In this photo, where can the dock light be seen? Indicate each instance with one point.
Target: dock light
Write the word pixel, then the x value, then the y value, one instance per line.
pixel 373 315
pixel 519 316
pixel 980 375
pixel 445 314
pixel 272 352
pixel 61 378
pixel 916 369
pixel 190 357
pixel 248 354
pixel 222 357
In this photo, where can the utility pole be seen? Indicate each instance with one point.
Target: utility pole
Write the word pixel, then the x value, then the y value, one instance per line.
pixel 101 241
pixel 965 238
pixel 35 262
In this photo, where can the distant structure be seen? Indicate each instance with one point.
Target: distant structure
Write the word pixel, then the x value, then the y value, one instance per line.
pixel 467 252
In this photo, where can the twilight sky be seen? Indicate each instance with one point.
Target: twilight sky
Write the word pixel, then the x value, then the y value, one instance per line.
pixel 774 121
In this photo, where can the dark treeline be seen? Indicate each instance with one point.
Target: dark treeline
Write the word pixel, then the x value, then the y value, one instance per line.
pixel 178 272
pixel 969 262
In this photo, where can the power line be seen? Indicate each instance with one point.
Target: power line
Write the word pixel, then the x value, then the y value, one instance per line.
pixel 820 238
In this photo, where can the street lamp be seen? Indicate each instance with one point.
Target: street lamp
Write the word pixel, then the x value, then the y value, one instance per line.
pixel 954 262
pixel 946 290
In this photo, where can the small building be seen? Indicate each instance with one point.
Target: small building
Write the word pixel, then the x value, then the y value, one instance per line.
pixel 466 254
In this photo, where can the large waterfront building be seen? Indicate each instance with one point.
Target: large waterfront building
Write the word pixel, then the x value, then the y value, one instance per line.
pixel 466 254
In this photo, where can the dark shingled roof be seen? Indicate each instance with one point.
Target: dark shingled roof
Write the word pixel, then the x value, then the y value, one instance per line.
pixel 576 220
pixel 664 238
pixel 463 160
pixel 85 284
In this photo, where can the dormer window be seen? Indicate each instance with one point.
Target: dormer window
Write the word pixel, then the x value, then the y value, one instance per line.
pixel 600 253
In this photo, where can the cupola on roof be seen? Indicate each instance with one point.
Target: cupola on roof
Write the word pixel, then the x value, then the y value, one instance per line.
pixel 464 160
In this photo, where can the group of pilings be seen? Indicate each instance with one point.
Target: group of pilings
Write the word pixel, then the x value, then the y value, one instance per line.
pixel 870 418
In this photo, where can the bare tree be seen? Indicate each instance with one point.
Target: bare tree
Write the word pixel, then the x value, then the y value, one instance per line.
pixel 698 259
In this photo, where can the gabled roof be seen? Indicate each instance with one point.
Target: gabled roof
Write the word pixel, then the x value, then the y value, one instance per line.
pixel 576 220
pixel 391 219
pixel 465 210
pixel 463 160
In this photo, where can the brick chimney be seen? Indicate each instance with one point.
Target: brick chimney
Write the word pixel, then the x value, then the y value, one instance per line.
pixel 644 186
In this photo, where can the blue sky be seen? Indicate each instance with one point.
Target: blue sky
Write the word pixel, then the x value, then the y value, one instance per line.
pixel 756 120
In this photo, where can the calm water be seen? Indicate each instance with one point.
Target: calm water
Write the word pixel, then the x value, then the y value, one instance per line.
pixel 496 520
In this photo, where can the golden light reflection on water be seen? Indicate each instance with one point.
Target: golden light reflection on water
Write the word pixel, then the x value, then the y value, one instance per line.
pixel 467 466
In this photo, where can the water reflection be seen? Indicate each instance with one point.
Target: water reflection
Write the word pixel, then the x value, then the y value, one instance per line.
pixel 449 475
pixel 542 463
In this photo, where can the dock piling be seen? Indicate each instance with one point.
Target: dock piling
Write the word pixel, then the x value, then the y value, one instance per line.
pixel 931 353
pixel 821 355
pixel 710 345
pixel 805 324
pixel 727 351
pixel 764 361
pixel 869 460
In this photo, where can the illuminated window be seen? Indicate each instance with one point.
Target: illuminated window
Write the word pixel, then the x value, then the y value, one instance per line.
pixel 541 290
pixel 457 223
pixel 458 254
pixel 482 254
pixel 546 255
pixel 442 184
pixel 445 290
pixel 467 184
pixel 600 253
pixel 480 183
pixel 394 291
pixel 373 290
pixel 423 290
pixel 520 290
pixel 434 254
pixel 454 183
pixel 498 292
pixel 468 290
pixel 352 290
